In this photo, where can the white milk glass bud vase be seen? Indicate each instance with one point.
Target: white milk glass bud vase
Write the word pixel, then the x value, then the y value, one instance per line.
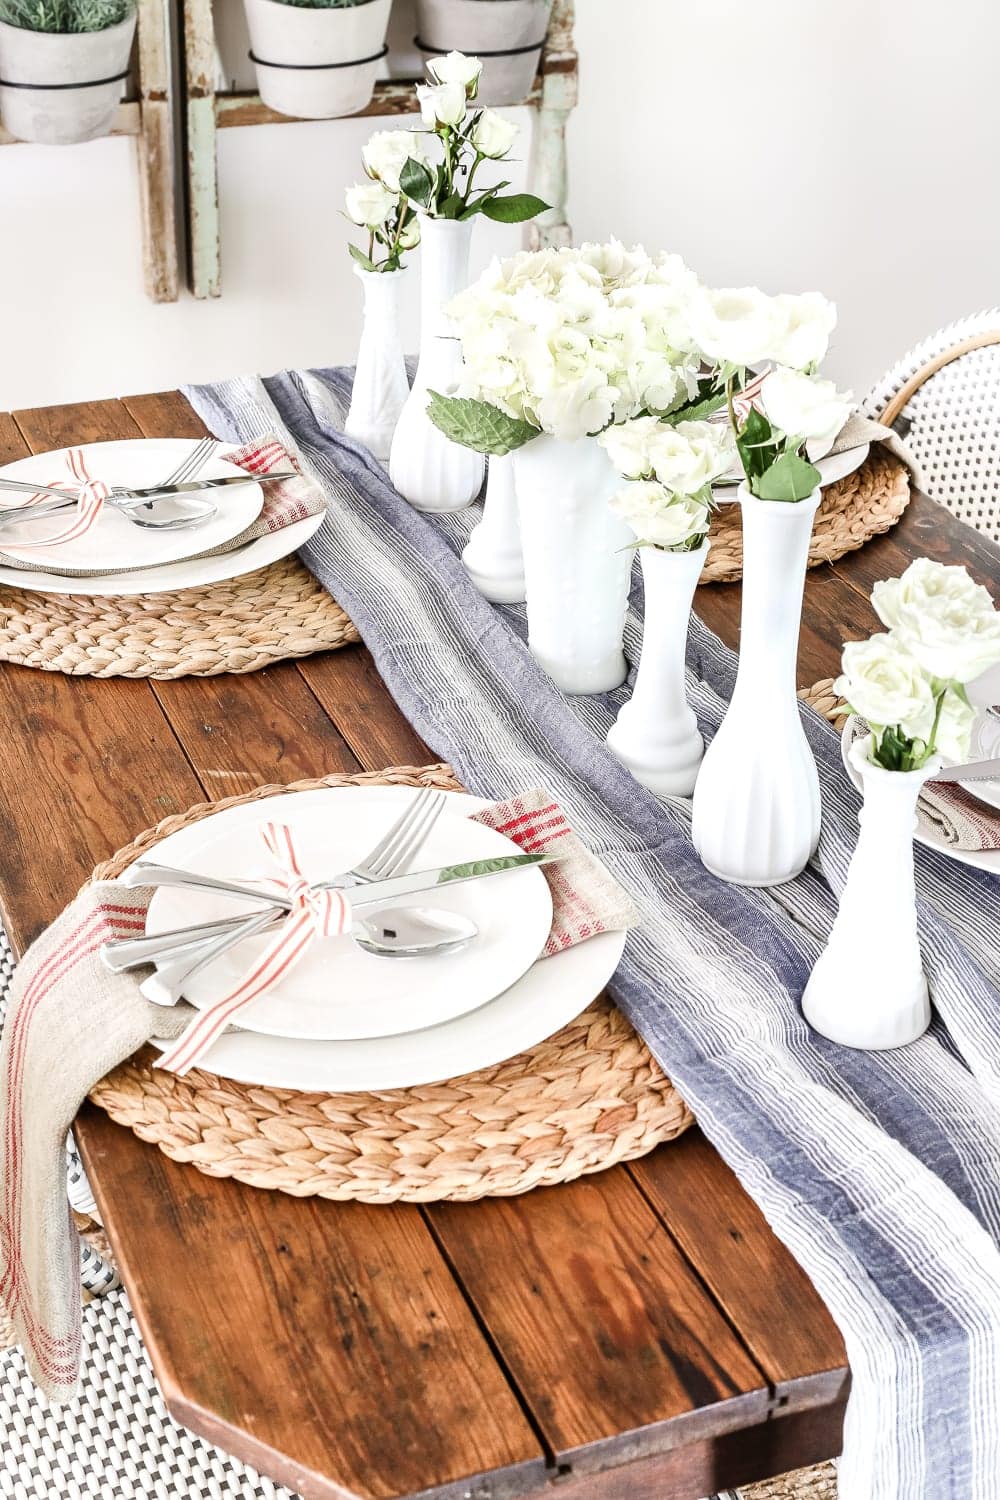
pixel 656 734
pixel 577 562
pixel 868 989
pixel 426 468
pixel 380 388
pixel 756 812
pixel 492 554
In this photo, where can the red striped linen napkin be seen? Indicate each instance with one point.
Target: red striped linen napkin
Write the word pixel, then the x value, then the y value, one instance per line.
pixel 70 1021
pixel 958 817
pixel 285 502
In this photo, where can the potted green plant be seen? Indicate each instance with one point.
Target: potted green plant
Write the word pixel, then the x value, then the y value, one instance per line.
pixel 317 59
pixel 63 65
pixel 507 34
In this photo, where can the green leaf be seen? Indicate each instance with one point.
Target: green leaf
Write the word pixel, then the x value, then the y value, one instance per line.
pixel 788 478
pixel 449 208
pixel 515 209
pixel 416 182
pixel 694 410
pixel 361 258
pixel 755 446
pixel 478 424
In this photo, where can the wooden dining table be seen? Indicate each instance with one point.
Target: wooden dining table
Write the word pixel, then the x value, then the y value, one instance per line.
pixel 637 1333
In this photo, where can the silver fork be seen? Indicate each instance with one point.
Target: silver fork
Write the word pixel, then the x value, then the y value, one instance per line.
pixel 400 844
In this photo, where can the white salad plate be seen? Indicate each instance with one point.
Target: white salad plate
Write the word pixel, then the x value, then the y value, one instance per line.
pixel 979 859
pixel 114 541
pixel 831 468
pixel 985 745
pixel 552 992
pixel 336 991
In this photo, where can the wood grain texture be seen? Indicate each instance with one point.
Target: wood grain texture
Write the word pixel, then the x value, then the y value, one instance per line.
pixel 46 427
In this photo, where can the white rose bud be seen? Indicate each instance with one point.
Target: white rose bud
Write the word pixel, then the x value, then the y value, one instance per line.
pixel 369 204
pixel 946 621
pixel 386 154
pixel 493 136
pixel 887 686
pixel 803 406
pixel 457 68
pixel 441 104
pixel 658 518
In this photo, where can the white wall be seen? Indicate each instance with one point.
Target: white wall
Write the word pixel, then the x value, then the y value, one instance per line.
pixel 840 144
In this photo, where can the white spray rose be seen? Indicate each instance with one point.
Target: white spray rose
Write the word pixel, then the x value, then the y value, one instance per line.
pixel 458 69
pixel 659 518
pixel 493 135
pixel 804 325
pixel 441 103
pixel 628 446
pixel 803 406
pixel 887 686
pixel 737 325
pixel 386 154
pixel 946 621
pixel 369 204
pixel 692 455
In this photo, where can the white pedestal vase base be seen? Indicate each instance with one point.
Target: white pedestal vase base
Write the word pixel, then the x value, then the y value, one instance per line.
pixel 428 470
pixel 756 815
pixel 577 562
pixel 868 989
pixel 381 388
pixel 656 735
pixel 492 555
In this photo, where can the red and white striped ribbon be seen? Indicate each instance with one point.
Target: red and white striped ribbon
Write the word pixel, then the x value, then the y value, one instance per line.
pixel 314 913
pixel 748 399
pixel 90 499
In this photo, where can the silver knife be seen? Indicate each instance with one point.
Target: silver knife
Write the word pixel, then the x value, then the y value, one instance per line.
pixel 974 770
pixel 132 953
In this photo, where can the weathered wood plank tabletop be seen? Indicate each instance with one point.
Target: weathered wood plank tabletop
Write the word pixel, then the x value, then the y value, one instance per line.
pixel 638 1333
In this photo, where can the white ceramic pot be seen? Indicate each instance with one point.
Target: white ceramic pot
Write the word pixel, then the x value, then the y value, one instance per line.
pixel 62 115
pixel 317 63
pixel 868 989
pixel 380 384
pixel 492 554
pixel 506 34
pixel 756 810
pixel 656 733
pixel 577 562
pixel 427 469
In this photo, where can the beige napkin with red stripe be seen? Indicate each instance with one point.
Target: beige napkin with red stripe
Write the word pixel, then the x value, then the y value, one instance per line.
pixel 955 815
pixel 70 1021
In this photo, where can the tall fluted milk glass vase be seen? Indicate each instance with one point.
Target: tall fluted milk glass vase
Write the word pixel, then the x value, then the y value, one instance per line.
pixel 426 468
pixel 756 814
pixel 577 562
pixel 656 734
pixel 380 387
pixel 868 989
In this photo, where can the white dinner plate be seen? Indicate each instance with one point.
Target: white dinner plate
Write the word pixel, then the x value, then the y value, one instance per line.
pixel 831 468
pixel 985 745
pixel 547 997
pixel 979 859
pixel 114 541
pixel 337 992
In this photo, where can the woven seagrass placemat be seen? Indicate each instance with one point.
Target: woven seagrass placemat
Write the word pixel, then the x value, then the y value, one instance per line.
pixel 239 625
pixel 856 508
pixel 584 1099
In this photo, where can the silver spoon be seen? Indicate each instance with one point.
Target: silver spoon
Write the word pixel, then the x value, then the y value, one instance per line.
pixel 393 932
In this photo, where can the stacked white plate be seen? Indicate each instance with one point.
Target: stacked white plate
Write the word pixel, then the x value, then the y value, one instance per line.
pixel 342 1020
pixel 167 559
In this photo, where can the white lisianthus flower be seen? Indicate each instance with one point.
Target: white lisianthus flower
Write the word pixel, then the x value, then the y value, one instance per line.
pixel 658 518
pixel 386 154
pixel 804 325
pixel 441 103
pixel 458 69
pixel 691 456
pixel 736 325
pixel 954 729
pixel 805 407
pixel 493 136
pixel 887 686
pixel 369 204
pixel 945 620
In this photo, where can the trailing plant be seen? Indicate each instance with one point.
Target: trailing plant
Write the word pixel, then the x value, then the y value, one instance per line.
pixel 66 16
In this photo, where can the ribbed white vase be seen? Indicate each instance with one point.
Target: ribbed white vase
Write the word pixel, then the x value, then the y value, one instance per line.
pixel 868 989
pixel 656 733
pixel 577 562
pixel 492 554
pixel 756 813
pixel 426 468
pixel 380 387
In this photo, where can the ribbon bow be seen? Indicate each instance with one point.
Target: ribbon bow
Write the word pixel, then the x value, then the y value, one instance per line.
pixel 314 913
pixel 90 498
